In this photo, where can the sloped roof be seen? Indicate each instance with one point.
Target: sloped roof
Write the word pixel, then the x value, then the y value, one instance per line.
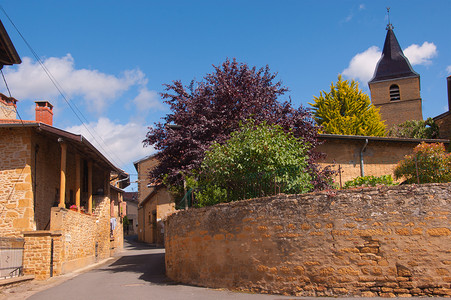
pixel 392 64
pixel 389 139
pixel 77 140
pixel 8 54
pixel 136 163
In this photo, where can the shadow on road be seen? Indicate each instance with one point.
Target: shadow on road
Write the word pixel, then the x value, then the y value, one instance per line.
pixel 131 243
pixel 141 258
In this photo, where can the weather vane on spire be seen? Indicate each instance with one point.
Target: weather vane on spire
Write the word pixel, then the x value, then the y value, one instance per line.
pixel 389 25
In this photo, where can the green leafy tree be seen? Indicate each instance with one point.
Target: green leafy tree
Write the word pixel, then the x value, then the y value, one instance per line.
pixel 415 129
pixel 257 160
pixel 428 163
pixel 210 110
pixel 347 110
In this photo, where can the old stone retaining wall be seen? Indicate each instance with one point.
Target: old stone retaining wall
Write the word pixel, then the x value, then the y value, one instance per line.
pixel 384 241
pixel 74 240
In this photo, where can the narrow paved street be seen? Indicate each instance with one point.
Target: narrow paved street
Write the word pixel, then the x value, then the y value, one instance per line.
pixel 137 274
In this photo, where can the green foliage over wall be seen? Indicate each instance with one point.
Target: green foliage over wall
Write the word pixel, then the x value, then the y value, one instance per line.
pixel 416 129
pixel 253 159
pixel 429 163
pixel 369 181
pixel 347 110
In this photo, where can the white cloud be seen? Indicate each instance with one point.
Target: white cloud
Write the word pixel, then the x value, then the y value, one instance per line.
pixel 146 100
pixel 29 81
pixel 362 7
pixel 448 69
pixel 362 65
pixel 421 55
pixel 124 141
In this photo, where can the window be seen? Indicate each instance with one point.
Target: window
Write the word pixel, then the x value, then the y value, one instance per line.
pixel 394 93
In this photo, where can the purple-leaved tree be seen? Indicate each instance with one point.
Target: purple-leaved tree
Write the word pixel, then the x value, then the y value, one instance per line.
pixel 210 110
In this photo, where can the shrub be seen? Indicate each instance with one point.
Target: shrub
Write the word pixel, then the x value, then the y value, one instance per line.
pixel 256 161
pixel 415 129
pixel 369 181
pixel 428 163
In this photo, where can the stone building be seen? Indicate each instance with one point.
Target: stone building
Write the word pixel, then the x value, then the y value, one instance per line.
pixel 355 156
pixel 155 203
pixel 58 192
pixel 131 198
pixel 444 120
pixel 395 86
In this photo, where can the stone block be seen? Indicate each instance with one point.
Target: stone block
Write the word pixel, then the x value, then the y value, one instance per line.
pixel 438 232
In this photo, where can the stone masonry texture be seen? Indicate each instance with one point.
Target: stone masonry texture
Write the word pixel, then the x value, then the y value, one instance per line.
pixel 396 112
pixel 57 240
pixel 16 193
pixel 383 241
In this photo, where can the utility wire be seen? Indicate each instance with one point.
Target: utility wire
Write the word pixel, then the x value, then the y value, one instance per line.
pixel 23 169
pixel 72 105
pixel 9 93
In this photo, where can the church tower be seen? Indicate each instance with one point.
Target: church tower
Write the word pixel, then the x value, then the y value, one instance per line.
pixel 395 86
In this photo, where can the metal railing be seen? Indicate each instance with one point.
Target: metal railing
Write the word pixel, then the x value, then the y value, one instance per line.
pixel 249 186
pixel 11 257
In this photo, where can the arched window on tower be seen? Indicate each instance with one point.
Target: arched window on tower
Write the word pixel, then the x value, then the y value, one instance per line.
pixel 394 93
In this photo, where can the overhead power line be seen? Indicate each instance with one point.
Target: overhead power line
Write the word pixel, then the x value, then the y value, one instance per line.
pixel 77 112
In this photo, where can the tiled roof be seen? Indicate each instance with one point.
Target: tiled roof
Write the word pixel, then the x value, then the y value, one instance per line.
pixel 15 121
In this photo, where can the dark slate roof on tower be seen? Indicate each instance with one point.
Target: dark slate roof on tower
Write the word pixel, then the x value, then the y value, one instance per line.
pixel 393 64
pixel 8 54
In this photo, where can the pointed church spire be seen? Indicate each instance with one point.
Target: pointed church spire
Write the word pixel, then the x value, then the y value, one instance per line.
pixel 392 64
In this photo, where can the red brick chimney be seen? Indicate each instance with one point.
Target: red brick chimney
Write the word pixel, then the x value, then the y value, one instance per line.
pixel 44 112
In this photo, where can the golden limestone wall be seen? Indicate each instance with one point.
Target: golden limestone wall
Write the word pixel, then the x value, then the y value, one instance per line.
pixel 16 192
pixel 396 112
pixel 37 252
pixel 102 213
pixel 37 258
pixel 78 240
pixel 379 157
pixel 381 241
pixel 79 236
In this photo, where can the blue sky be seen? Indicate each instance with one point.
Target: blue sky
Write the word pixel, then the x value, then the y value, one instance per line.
pixel 112 57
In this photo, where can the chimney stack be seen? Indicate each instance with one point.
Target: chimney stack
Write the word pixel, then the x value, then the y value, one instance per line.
pixel 44 112
pixel 7 107
pixel 449 92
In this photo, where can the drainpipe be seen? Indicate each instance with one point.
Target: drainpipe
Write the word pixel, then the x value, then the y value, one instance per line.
pixel 362 171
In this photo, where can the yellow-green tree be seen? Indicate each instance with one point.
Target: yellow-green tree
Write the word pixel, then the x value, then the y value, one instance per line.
pixel 347 110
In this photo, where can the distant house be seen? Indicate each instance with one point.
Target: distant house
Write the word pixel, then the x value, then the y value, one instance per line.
pixel 155 203
pixel 131 198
